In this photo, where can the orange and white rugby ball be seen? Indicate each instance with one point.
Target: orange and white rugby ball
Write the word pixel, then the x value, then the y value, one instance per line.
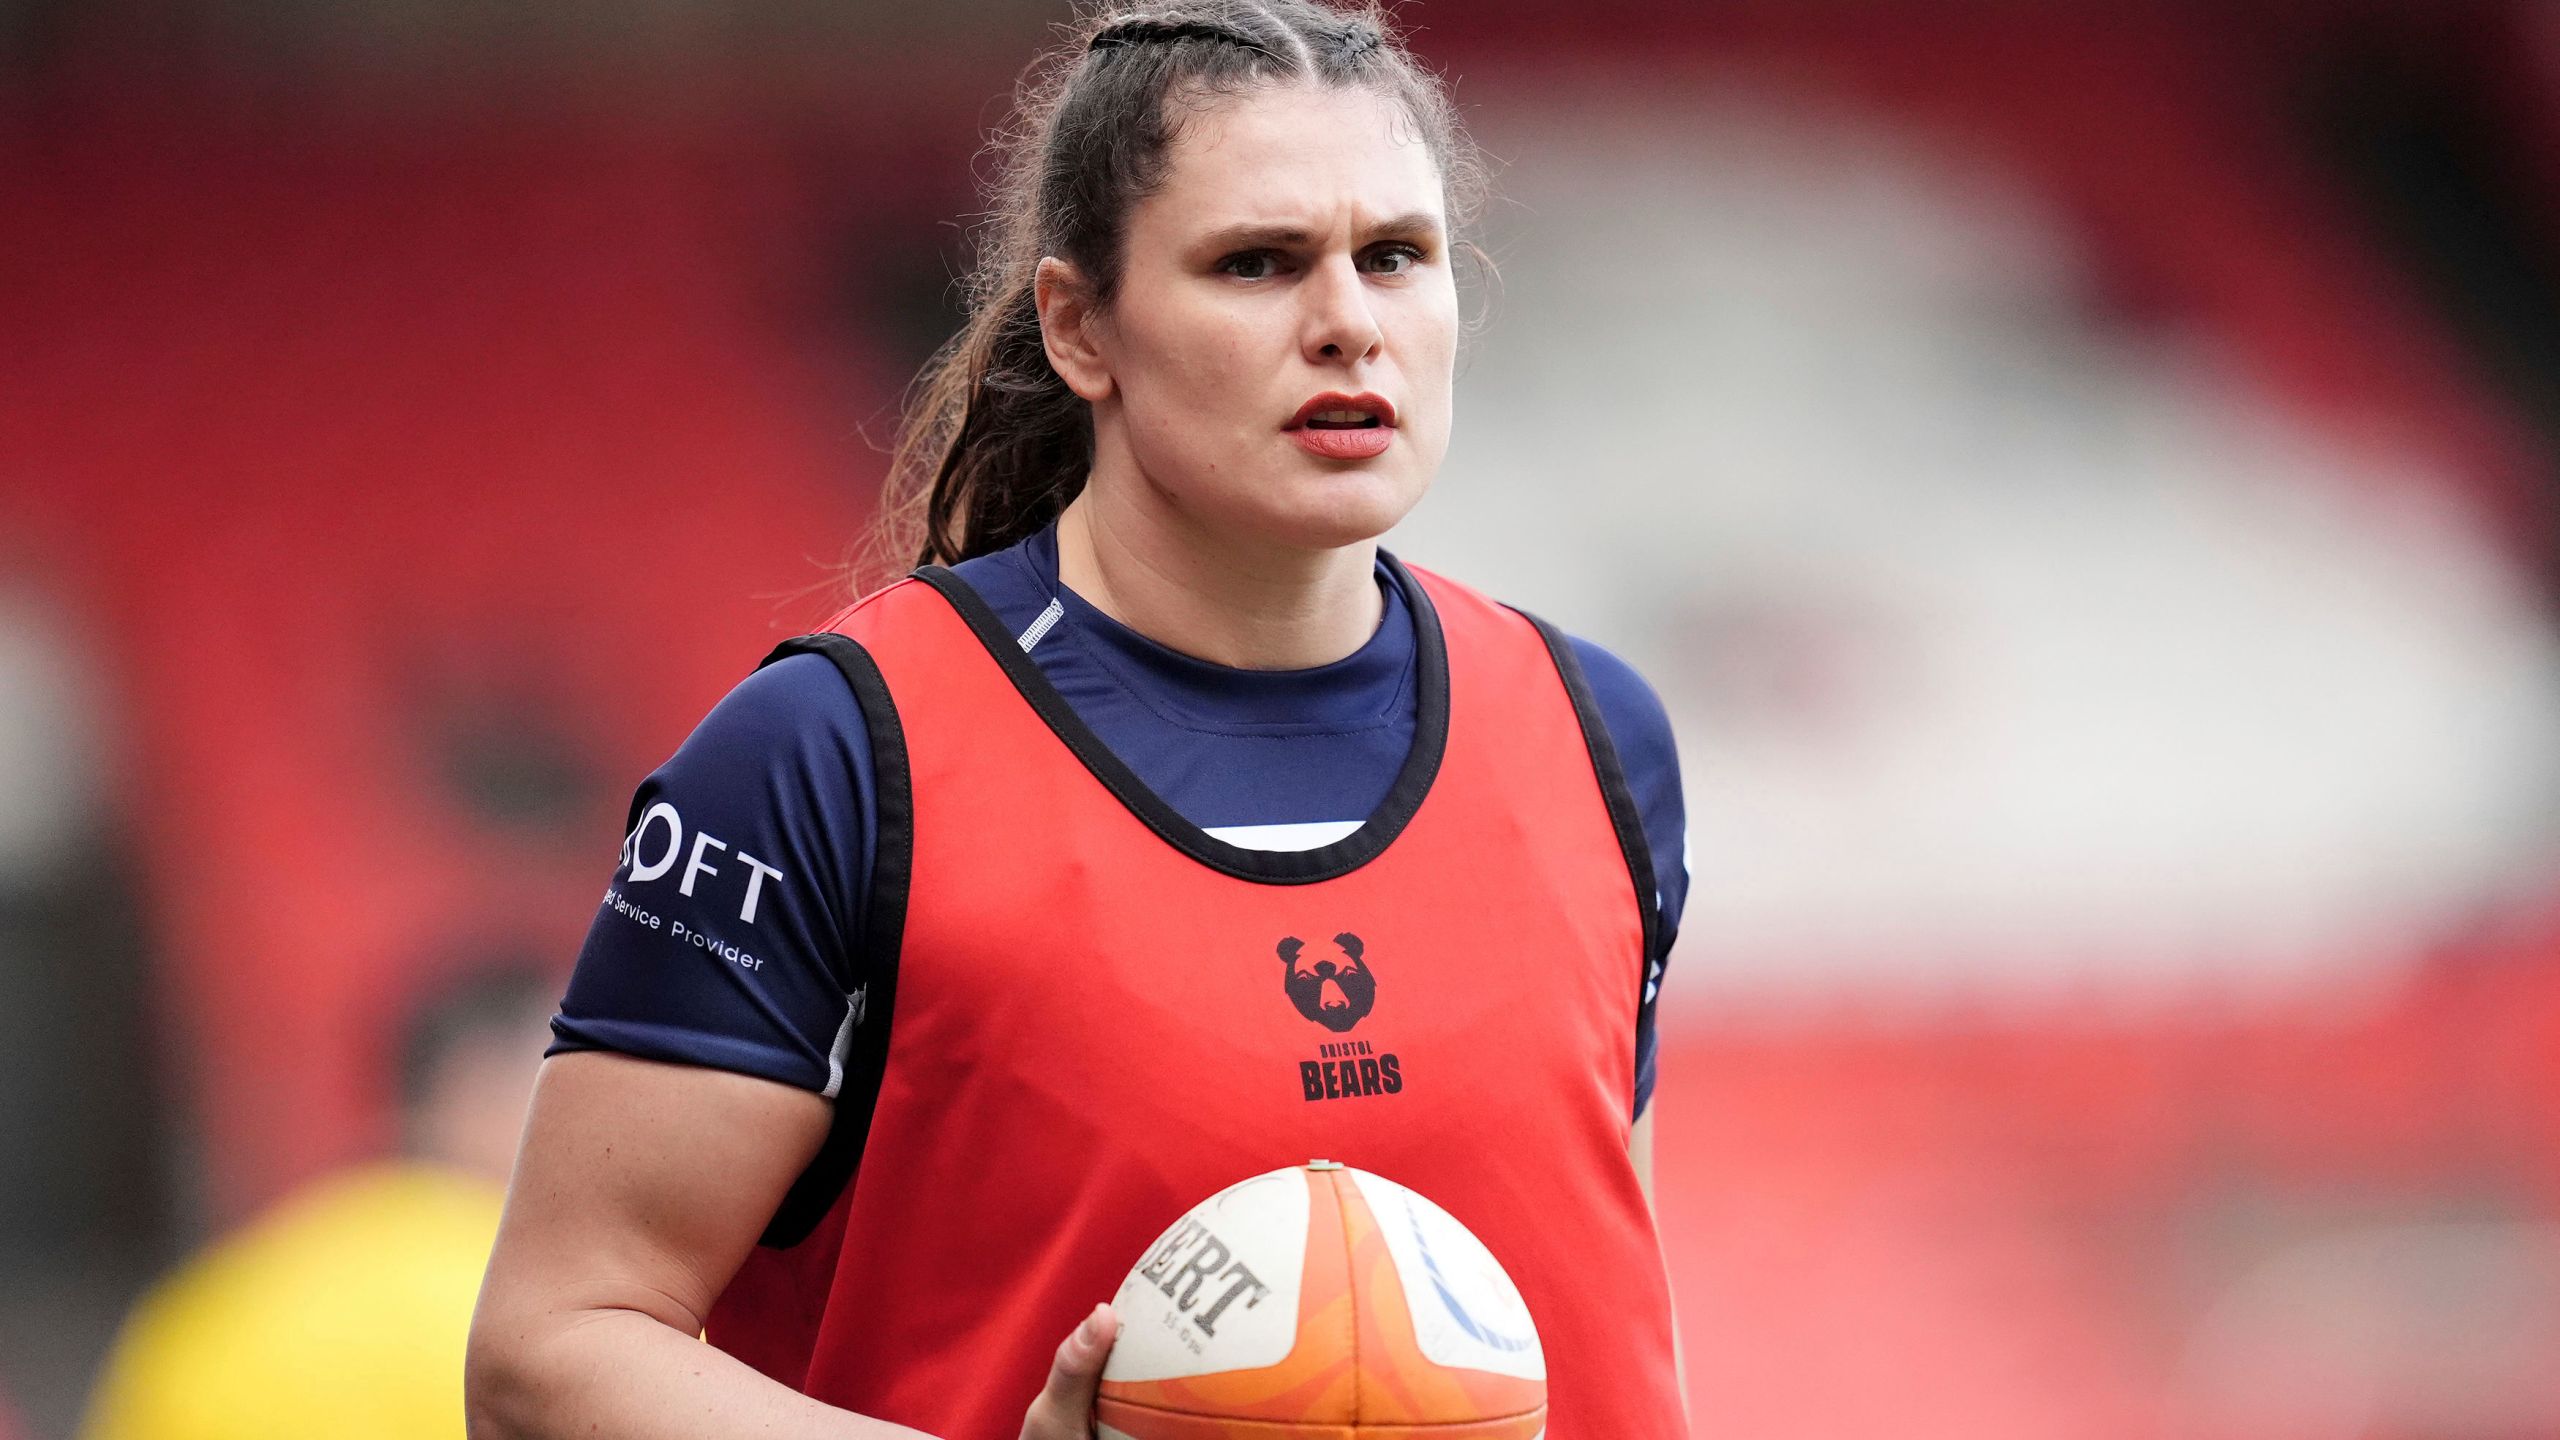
pixel 1321 1301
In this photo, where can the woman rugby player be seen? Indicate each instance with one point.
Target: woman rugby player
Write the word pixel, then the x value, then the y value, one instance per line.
pixel 1174 832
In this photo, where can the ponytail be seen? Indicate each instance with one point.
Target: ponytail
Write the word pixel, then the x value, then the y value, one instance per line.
pixel 993 445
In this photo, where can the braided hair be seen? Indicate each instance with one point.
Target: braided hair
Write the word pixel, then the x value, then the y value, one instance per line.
pixel 1142 29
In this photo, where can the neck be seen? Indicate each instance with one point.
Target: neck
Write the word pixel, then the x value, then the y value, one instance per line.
pixel 1249 606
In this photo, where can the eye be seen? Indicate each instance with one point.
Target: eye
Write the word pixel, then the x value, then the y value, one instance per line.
pixel 1243 263
pixel 1411 255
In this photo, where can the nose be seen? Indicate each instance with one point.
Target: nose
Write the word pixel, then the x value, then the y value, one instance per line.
pixel 1330 996
pixel 1340 325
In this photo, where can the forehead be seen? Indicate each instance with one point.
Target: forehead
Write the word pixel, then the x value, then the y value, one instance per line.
pixel 1294 154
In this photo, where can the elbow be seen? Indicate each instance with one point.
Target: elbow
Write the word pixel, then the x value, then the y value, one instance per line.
pixel 502 1387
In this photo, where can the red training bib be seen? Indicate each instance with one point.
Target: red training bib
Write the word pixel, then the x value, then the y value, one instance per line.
pixel 1084 1016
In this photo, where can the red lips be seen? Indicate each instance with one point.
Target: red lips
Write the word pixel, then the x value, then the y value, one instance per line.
pixel 1374 404
pixel 1365 440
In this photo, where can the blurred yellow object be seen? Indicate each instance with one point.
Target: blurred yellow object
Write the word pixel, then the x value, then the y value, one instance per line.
pixel 342 1312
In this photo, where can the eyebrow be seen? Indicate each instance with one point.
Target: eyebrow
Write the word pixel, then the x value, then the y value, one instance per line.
pixel 1250 236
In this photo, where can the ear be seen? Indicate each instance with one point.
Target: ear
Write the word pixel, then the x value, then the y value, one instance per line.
pixel 1069 323
pixel 1289 949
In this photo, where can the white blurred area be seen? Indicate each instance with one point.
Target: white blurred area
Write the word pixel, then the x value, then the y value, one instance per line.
pixel 49 746
pixel 2436 1329
pixel 2011 651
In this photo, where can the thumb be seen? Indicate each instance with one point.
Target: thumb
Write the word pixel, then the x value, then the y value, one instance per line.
pixel 1064 1410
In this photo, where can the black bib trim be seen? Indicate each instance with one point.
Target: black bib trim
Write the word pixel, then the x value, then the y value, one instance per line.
pixel 884 926
pixel 1624 817
pixel 1267 867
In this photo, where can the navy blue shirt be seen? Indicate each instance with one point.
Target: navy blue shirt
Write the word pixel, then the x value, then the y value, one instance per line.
pixel 728 935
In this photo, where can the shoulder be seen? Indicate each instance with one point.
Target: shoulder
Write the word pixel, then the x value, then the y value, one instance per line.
pixel 1639 735
pixel 798 706
pixel 1637 722
pixel 781 766
pixel 1637 732
pixel 1638 726
pixel 779 773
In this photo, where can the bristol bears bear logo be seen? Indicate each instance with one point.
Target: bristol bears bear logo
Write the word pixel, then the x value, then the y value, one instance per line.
pixel 1336 994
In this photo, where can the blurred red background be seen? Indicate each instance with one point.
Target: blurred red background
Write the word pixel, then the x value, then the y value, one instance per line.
pixel 410 422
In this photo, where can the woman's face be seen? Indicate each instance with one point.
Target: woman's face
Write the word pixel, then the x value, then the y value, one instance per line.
pixel 1297 248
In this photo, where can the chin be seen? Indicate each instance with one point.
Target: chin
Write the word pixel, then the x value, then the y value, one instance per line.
pixel 1293 500
pixel 1327 511
pixel 1332 522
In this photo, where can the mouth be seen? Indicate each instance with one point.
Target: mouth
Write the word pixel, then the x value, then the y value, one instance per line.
pixel 1334 410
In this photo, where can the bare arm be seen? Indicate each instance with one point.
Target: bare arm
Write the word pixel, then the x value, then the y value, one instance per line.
pixel 1640 1150
pixel 639 1189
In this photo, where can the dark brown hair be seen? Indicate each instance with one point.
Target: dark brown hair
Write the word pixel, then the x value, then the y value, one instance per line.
pixel 993 444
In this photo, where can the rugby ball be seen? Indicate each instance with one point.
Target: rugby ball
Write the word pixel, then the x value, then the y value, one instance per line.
pixel 1320 1300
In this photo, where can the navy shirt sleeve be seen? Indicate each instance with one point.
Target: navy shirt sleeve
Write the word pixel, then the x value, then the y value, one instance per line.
pixel 724 939
pixel 1641 730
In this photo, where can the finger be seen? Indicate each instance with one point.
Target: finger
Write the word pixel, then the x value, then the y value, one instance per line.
pixel 1064 1410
